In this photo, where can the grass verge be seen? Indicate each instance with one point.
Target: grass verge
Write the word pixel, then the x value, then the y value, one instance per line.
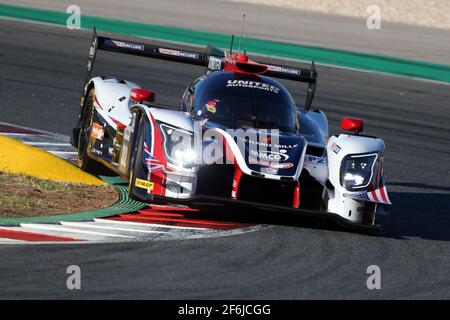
pixel 23 196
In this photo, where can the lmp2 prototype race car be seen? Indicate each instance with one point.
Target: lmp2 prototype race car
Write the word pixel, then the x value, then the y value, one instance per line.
pixel 238 138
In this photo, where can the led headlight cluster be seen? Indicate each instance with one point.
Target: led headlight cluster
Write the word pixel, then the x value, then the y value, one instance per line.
pixel 357 171
pixel 178 146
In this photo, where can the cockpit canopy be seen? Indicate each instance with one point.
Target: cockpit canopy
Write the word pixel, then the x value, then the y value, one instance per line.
pixel 236 100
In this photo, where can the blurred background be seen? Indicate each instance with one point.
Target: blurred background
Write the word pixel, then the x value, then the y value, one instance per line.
pixel 414 29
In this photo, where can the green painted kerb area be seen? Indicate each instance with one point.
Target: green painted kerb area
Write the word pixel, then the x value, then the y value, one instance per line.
pixel 385 64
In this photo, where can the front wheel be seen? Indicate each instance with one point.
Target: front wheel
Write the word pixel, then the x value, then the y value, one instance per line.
pixel 369 213
pixel 137 171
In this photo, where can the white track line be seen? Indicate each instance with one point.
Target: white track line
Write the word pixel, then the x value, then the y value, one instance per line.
pixel 16 134
pixel 7 240
pixel 59 228
pixel 98 226
pixel 30 129
pixel 149 224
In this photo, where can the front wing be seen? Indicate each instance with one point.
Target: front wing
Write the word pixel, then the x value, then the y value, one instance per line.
pixel 314 215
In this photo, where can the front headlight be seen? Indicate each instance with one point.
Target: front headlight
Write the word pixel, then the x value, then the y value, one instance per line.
pixel 178 146
pixel 357 171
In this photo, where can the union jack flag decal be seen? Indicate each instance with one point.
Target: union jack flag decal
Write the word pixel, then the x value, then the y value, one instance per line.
pixel 153 164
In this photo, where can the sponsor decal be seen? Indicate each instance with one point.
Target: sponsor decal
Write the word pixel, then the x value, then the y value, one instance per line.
pixel 283 69
pixel 148 185
pixel 315 160
pixel 92 49
pixel 97 131
pixel 214 63
pixel 126 45
pixel 97 152
pixel 178 53
pixel 269 156
pixel 253 85
pixel 268 144
pixel 262 142
pixel 273 165
pixel 211 106
pixel 269 170
pixel 284 165
pixel 335 148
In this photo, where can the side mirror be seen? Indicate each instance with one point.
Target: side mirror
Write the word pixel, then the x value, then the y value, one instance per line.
pixel 142 95
pixel 352 124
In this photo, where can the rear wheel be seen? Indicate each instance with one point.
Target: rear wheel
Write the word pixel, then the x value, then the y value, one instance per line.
pixel 84 161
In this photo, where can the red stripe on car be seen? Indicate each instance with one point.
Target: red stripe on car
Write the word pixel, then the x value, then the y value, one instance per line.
pixel 296 197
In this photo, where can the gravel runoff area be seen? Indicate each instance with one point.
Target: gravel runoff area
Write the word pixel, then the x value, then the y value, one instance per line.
pixel 429 13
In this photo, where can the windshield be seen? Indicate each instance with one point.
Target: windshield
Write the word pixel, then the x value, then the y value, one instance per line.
pixel 247 103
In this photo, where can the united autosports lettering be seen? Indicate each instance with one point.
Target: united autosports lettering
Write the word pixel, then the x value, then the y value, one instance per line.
pixel 253 85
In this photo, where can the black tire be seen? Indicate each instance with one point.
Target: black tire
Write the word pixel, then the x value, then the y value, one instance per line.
pixel 136 169
pixel 369 215
pixel 84 161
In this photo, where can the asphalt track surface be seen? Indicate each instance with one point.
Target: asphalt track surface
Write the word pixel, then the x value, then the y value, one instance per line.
pixel 40 80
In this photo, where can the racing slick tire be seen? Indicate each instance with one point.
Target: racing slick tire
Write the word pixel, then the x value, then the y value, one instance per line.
pixel 84 161
pixel 136 165
pixel 369 215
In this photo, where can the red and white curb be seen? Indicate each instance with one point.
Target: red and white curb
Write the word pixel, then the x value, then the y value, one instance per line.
pixel 154 223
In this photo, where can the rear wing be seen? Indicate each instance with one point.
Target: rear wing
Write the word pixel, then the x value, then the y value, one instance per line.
pixel 211 59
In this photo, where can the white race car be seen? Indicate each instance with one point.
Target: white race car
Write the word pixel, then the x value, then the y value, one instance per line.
pixel 238 138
